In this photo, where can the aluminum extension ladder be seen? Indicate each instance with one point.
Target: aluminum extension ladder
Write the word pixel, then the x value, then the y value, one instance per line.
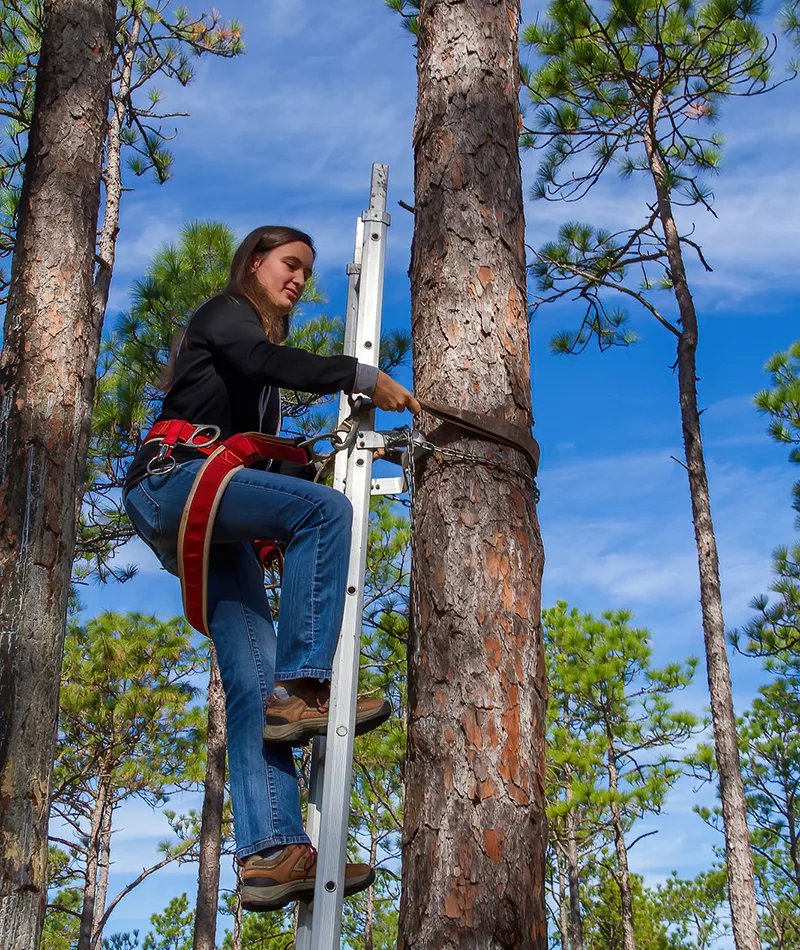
pixel 332 755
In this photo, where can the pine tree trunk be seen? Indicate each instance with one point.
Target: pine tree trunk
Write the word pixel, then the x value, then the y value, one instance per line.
pixel 791 829
pixel 739 859
pixel 205 918
pixel 112 173
pixel 370 915
pixel 236 935
pixel 563 915
pixel 94 847
pixel 623 873
pixel 474 825
pixel 103 869
pixel 573 875
pixel 47 375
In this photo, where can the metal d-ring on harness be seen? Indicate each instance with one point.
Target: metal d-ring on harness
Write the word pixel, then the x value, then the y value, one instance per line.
pixel 164 462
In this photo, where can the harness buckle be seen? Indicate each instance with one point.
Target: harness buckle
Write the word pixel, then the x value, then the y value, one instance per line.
pixel 214 434
pixel 163 463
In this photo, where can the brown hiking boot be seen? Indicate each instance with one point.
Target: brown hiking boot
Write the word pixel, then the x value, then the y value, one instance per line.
pixel 298 710
pixel 289 875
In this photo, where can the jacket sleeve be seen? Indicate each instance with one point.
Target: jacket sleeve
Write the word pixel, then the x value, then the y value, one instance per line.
pixel 233 333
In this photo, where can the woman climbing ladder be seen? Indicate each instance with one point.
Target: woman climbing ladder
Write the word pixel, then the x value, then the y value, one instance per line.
pixel 226 375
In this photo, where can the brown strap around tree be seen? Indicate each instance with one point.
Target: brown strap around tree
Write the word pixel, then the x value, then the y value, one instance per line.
pixel 488 427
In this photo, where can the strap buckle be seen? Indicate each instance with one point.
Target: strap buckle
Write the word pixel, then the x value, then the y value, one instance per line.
pixel 214 434
pixel 163 463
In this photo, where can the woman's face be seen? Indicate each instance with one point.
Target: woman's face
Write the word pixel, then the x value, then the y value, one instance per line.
pixel 283 273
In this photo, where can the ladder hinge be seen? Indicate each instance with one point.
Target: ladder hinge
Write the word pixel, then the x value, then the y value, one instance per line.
pixel 353 269
pixel 382 217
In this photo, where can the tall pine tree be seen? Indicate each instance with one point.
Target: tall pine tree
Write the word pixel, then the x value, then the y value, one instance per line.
pixel 633 87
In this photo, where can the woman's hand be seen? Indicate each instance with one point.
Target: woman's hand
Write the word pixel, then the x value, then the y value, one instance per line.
pixel 392 396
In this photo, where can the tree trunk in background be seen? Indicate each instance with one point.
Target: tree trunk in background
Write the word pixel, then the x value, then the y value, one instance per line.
pixel 47 377
pixel 112 173
pixel 623 875
pixel 573 873
pixel 738 857
pixel 103 869
pixel 563 918
pixel 474 832
pixel 94 850
pixel 205 918
pixel 370 914
pixel 236 936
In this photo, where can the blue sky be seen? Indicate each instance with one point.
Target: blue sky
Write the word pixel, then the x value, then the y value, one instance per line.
pixel 288 133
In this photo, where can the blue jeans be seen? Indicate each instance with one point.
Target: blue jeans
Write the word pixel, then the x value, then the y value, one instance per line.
pixel 314 522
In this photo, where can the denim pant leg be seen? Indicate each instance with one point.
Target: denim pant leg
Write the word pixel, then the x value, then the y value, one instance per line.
pixel 264 791
pixel 315 522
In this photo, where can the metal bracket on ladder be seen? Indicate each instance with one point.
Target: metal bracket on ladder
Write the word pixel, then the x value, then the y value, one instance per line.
pixel 332 756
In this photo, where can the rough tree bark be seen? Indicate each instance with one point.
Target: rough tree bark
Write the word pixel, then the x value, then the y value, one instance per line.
pixel 94 850
pixel 47 377
pixel 474 827
pixel 205 918
pixel 112 173
pixel 573 871
pixel 563 917
pixel 236 936
pixel 370 914
pixel 738 857
pixel 103 870
pixel 623 874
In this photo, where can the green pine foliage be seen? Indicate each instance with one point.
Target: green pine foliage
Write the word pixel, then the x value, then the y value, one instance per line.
pixel 172 929
pixel 169 39
pixel 781 401
pixel 20 28
pixel 636 88
pixel 677 915
pixel 621 709
pixel 162 39
pixel 770 747
pixel 410 20
pixel 692 908
pixel 770 755
pixel 775 628
pixel 129 728
pixel 60 930
pixel 616 747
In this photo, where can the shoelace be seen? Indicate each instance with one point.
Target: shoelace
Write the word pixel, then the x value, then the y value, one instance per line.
pixel 308 862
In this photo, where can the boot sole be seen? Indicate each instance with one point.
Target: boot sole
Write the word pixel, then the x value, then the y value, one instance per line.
pixel 274 898
pixel 300 733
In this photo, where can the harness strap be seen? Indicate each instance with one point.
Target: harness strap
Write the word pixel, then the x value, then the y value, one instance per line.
pixel 224 460
pixel 488 427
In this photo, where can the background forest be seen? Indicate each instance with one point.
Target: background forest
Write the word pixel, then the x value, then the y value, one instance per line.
pixel 273 112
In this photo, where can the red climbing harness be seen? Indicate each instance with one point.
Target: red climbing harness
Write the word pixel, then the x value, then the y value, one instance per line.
pixel 224 460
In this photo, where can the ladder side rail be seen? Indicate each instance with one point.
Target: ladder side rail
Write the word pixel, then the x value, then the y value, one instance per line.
pixel 328 893
pixel 318 746
pixel 318 749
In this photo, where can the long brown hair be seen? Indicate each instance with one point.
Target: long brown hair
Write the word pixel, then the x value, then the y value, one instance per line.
pixel 242 280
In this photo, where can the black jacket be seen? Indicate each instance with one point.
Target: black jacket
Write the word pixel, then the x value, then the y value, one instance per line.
pixel 228 374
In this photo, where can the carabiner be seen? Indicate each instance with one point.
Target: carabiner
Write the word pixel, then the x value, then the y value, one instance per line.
pixel 163 463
